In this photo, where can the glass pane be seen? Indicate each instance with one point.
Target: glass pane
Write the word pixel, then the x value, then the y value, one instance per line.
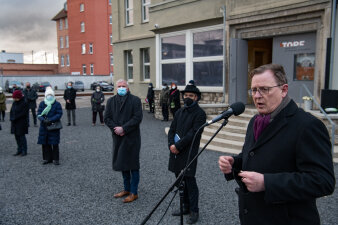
pixel 173 73
pixel 146 55
pixel 130 57
pixel 208 43
pixel 208 73
pixel 130 72
pixel 173 47
pixel 146 72
pixel 304 66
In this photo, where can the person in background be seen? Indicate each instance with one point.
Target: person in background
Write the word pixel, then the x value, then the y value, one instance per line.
pixel 19 122
pixel 123 116
pixel 96 100
pixel 70 95
pixel 286 160
pixel 14 88
pixel 150 97
pixel 49 111
pixel 164 101
pixel 2 105
pixel 174 99
pixel 30 97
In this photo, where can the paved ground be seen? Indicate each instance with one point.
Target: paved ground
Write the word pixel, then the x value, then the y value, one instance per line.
pixel 80 190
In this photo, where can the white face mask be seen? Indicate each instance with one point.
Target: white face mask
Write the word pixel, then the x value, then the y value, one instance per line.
pixel 173 87
pixel 163 87
pixel 98 90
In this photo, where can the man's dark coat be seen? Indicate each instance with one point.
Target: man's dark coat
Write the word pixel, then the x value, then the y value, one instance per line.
pixel 70 94
pixel 294 154
pixel 18 116
pixel 185 125
pixel 30 97
pixel 128 114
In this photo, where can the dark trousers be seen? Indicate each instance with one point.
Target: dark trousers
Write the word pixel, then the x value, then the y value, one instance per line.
pixel 50 152
pixel 3 115
pixel 73 115
pixel 131 180
pixel 191 193
pixel 33 113
pixel 174 110
pixel 151 105
pixel 95 115
pixel 165 111
pixel 21 143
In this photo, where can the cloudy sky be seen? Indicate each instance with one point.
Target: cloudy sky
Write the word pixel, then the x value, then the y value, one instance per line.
pixel 26 26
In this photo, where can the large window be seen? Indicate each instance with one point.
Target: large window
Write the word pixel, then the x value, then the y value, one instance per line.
pixel 62 61
pixel 129 64
pixel 145 10
pixel 84 69
pixel 68 61
pixel 61 42
pixel 91 50
pixel 83 49
pixel 129 12
pixel 81 7
pixel 60 24
pixel 193 54
pixel 82 26
pixel 91 69
pixel 67 42
pixel 145 63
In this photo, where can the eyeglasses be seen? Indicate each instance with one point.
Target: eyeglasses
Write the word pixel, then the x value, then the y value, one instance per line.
pixel 261 90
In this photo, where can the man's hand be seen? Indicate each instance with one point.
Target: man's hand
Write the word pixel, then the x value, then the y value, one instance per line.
pixel 253 181
pixel 119 131
pixel 225 164
pixel 68 101
pixel 174 150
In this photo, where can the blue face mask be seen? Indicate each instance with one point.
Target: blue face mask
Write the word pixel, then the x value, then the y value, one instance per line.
pixel 69 86
pixel 122 91
pixel 50 98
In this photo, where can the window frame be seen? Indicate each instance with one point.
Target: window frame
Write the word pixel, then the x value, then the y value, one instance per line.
pixel 61 42
pixel 84 69
pixel 83 27
pixel 145 12
pixel 129 12
pixel 60 24
pixel 83 48
pixel 62 61
pixel 66 23
pixel 111 59
pixel 91 69
pixel 67 41
pixel 67 60
pixel 91 48
pixel 145 64
pixel 82 7
pixel 129 65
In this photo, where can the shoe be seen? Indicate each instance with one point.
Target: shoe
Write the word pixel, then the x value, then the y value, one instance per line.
pixel 16 154
pixel 46 162
pixel 93 124
pixel 130 198
pixel 68 124
pixel 56 162
pixel 192 218
pixel 186 211
pixel 121 194
pixel 24 154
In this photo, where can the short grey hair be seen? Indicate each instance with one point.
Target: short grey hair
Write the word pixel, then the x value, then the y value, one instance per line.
pixel 122 80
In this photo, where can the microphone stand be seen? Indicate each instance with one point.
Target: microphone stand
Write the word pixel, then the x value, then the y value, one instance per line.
pixel 181 176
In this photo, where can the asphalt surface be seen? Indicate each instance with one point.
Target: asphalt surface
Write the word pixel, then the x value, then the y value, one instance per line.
pixel 80 190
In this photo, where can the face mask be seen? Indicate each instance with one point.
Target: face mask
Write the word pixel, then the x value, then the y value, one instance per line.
pixel 122 91
pixel 50 97
pixel 97 90
pixel 188 101
pixel 163 87
pixel 69 86
pixel 28 87
pixel 173 87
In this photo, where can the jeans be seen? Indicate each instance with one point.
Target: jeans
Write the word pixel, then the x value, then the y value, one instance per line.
pixel 22 143
pixel 191 193
pixel 131 179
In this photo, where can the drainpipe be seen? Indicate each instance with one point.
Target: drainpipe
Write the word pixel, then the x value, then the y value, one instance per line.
pixel 224 52
pixel 333 30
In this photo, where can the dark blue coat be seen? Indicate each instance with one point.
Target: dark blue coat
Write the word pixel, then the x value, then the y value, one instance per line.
pixel 55 114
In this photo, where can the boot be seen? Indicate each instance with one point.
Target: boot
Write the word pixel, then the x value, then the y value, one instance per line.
pixel 192 218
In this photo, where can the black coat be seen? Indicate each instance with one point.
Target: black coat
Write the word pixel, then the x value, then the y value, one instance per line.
pixel 19 117
pixel 294 154
pixel 185 125
pixel 174 100
pixel 96 100
pixel 150 94
pixel 70 94
pixel 128 114
pixel 30 97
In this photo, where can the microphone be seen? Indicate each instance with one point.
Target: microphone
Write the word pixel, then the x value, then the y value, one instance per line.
pixel 236 109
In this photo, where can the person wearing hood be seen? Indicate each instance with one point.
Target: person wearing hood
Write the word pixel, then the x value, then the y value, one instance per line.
pixel 2 105
pixel 164 101
pixel 123 116
pixel 70 95
pixel 96 100
pixel 19 122
pixel 186 123
pixel 49 111
pixel 174 99
pixel 150 98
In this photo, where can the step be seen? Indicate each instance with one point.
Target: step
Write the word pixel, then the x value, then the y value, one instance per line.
pixel 221 149
pixel 224 134
pixel 222 142
pixel 229 128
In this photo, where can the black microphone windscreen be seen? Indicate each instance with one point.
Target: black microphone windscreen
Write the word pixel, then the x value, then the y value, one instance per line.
pixel 238 108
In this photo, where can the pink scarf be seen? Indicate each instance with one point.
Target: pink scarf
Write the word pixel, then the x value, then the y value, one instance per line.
pixel 261 122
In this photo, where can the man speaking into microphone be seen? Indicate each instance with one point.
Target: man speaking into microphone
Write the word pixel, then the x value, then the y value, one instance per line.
pixel 186 122
pixel 286 161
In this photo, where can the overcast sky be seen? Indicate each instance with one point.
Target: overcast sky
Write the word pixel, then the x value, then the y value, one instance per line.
pixel 26 25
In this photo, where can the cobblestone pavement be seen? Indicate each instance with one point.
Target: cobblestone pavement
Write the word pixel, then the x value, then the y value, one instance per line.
pixel 80 190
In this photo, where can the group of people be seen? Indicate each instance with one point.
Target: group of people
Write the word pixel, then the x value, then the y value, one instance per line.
pixel 285 164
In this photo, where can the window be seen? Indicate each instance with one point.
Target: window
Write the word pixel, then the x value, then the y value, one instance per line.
pixel 84 69
pixel 66 23
pixel 90 48
pixel 129 64
pixel 109 1
pixel 129 12
pixel 67 58
pixel 111 39
pixel 173 47
pixel 83 47
pixel 304 66
pixel 67 42
pixel 61 42
pixel 60 24
pixel 81 7
pixel 110 19
pixel 82 27
pixel 111 59
pixel 62 61
pixel 91 69
pixel 145 63
pixel 145 10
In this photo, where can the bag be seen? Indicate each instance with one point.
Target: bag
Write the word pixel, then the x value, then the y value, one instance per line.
pixel 55 126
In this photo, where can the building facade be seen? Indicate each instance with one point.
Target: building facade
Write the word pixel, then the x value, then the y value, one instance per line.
pixel 7 57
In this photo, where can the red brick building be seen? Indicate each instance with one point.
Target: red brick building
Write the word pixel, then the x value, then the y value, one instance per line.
pixel 87 30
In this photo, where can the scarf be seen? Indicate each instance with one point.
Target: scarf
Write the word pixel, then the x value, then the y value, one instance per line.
pixel 49 106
